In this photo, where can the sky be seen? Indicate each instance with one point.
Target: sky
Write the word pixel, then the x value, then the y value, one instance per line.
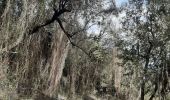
pixel 120 2
pixel 96 29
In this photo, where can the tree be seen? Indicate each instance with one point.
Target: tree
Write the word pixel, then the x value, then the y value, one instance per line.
pixel 144 45
pixel 36 62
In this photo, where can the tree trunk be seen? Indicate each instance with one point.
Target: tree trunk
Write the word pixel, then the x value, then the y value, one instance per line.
pixel 117 71
pixel 72 82
pixel 58 59
pixel 147 58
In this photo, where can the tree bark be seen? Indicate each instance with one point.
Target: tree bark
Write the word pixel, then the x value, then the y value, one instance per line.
pixel 58 59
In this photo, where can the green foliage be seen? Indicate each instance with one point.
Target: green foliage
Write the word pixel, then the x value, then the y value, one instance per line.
pixel 144 44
